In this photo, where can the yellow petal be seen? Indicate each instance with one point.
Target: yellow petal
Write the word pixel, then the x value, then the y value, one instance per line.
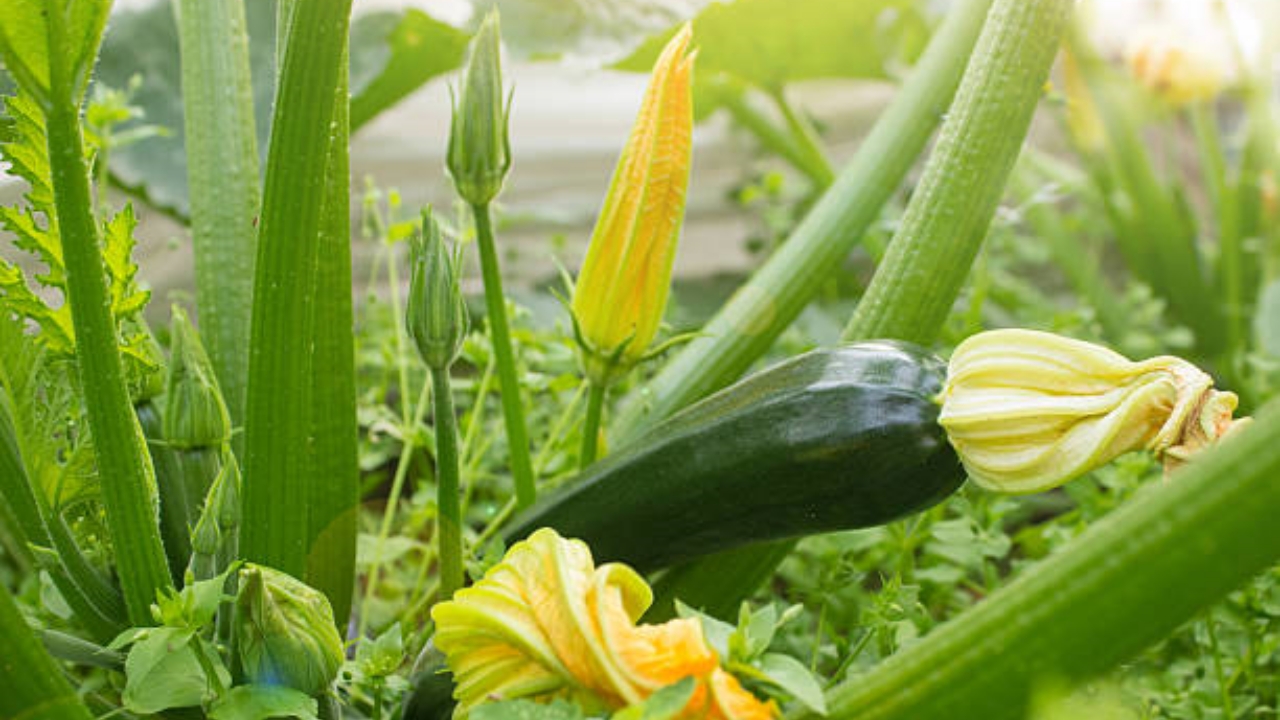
pixel 545 622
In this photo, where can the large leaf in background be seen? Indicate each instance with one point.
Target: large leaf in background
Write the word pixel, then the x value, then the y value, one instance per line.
pixel 393 54
pixel 598 29
pixel 769 43
pixel 145 42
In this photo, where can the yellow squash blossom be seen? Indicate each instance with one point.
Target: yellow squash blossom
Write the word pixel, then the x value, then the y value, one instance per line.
pixel 546 622
pixel 1027 411
pixel 621 291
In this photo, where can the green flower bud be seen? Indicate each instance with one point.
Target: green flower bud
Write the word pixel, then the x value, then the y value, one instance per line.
pixel 284 632
pixel 436 316
pixel 479 149
pixel 195 414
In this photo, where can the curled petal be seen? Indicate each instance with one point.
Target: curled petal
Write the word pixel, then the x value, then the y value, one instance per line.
pixel 546 622
pixel 1027 411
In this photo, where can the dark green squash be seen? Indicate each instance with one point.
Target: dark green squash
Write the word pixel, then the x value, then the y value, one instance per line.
pixel 830 440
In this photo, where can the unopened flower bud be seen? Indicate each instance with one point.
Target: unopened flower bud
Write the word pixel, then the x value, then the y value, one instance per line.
pixel 284 632
pixel 621 291
pixel 436 316
pixel 195 414
pixel 1027 411
pixel 479 153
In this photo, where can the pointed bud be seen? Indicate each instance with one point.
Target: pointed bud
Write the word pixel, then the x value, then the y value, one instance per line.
pixel 284 632
pixel 195 414
pixel 436 316
pixel 479 152
pixel 621 292
pixel 1027 411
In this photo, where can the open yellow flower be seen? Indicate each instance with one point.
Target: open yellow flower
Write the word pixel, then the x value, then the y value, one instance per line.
pixel 546 622
pixel 622 289
pixel 1027 411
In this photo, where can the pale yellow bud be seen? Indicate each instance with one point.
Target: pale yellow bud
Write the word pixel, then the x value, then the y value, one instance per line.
pixel 1027 411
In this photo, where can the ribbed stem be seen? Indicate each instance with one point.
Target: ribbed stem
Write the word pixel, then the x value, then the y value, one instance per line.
pixel 448 501
pixel 512 407
pixel 930 255
pixel 591 426
pixel 127 478
pixel 222 171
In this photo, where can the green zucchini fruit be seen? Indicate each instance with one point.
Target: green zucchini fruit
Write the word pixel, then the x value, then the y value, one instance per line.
pixel 829 440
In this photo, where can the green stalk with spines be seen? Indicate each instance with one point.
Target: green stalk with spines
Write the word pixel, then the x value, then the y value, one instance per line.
pixel 748 324
pixel 127 477
pixel 946 221
pixel 1099 600
pixel 222 170
pixel 35 686
pixel 280 449
pixel 951 209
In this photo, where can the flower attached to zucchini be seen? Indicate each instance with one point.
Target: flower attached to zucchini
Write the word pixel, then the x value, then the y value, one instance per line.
pixel 621 291
pixel 547 623
pixel 1027 411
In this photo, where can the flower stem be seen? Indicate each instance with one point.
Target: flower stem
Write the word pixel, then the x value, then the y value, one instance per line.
pixel 449 526
pixel 591 429
pixel 512 409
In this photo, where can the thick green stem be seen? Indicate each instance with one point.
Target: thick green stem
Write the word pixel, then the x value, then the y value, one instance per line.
pixel 774 296
pixel 281 497
pixel 222 171
pixel 951 209
pixel 448 501
pixel 127 478
pixel 1119 587
pixel 591 427
pixel 512 407
pixel 35 687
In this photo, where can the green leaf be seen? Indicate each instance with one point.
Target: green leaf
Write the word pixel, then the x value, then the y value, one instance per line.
pixel 382 656
pixel 664 704
pixel 754 633
pixel 596 29
pixel 769 43
pixel 393 54
pixel 35 685
pixel 526 710
pixel 719 634
pixel 259 702
pixel 795 679
pixel 162 671
pixel 24 45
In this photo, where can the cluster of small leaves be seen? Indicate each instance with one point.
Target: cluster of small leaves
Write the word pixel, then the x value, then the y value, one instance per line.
pixel 34 229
